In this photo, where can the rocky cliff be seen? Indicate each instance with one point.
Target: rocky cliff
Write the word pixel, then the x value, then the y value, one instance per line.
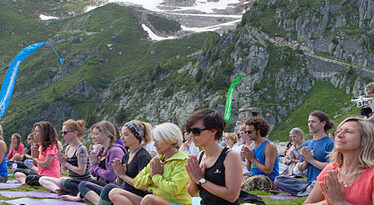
pixel 114 72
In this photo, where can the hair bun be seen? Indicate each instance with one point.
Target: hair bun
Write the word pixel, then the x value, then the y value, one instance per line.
pixel 81 123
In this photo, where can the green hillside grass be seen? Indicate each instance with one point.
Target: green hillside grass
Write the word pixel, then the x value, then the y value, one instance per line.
pixel 115 45
pixel 324 97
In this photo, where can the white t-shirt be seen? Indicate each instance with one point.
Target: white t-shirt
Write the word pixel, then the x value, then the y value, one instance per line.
pixel 238 148
pixel 150 147
pixel 191 150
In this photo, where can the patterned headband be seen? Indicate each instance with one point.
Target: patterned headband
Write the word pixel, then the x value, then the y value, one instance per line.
pixel 136 130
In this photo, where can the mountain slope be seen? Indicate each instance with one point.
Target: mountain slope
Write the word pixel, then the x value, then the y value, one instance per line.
pixel 100 48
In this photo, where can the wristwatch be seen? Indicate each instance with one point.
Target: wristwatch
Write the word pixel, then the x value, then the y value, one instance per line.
pixel 202 181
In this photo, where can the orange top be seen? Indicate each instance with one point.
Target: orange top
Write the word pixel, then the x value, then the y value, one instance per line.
pixel 54 168
pixel 361 191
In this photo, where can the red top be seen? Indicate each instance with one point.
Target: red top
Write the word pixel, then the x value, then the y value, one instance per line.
pixel 361 191
pixel 13 152
pixel 54 168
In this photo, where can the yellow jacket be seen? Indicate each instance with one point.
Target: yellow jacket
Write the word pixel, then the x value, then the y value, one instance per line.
pixel 172 184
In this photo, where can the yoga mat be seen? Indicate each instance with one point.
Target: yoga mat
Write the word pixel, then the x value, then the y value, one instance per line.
pixel 35 194
pixel 13 181
pixel 30 201
pixel 9 186
pixel 196 200
pixel 280 196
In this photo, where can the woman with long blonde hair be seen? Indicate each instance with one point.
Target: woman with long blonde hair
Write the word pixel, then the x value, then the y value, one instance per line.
pixel 349 178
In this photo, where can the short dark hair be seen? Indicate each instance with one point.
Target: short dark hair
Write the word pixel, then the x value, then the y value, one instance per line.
pixel 323 118
pixel 259 123
pixel 212 119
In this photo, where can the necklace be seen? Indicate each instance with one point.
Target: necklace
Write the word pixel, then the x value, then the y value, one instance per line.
pixel 349 180
pixel 135 151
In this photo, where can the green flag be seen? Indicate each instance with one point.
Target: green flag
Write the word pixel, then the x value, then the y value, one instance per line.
pixel 229 98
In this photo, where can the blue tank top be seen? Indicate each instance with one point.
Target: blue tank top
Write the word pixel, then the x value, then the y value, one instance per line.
pixel 260 156
pixel 3 167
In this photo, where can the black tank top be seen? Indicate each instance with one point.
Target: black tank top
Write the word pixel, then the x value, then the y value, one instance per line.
pixel 74 161
pixel 100 179
pixel 216 175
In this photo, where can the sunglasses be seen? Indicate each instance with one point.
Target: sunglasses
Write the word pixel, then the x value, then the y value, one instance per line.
pixel 197 130
pixel 66 132
pixel 249 131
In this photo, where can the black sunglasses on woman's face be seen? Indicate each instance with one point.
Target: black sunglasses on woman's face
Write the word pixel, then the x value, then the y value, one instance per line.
pixel 65 132
pixel 197 130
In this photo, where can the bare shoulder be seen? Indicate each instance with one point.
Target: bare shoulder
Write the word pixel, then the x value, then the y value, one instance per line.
pixel 231 156
pixel 2 144
pixel 271 146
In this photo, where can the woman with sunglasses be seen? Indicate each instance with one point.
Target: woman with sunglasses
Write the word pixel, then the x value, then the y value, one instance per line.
pixel 45 156
pixel 216 174
pixel 165 176
pixel 349 178
pixel 101 162
pixel 76 159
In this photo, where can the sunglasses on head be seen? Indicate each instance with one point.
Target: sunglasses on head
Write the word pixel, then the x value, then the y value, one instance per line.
pixel 197 130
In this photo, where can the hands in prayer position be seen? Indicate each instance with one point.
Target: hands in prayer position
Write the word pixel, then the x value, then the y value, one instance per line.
pixel 195 172
pixel 119 168
pixel 34 152
pixel 307 155
pixel 248 153
pixel 332 188
pixel 156 167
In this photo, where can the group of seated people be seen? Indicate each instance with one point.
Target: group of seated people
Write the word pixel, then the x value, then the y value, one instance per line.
pixel 121 168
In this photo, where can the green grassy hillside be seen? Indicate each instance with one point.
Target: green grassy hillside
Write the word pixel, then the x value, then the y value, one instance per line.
pixel 99 47
pixel 324 97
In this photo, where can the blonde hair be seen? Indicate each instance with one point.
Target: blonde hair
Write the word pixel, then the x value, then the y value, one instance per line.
pixel 231 136
pixel 75 126
pixel 369 88
pixel 147 129
pixel 108 129
pixel 366 158
pixel 169 133
pixel 1 131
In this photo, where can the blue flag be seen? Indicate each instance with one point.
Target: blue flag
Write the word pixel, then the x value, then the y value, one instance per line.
pixel 11 75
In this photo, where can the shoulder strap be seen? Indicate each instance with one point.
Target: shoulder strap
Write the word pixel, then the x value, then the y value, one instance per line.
pixel 75 153
pixel 224 153
pixel 201 156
